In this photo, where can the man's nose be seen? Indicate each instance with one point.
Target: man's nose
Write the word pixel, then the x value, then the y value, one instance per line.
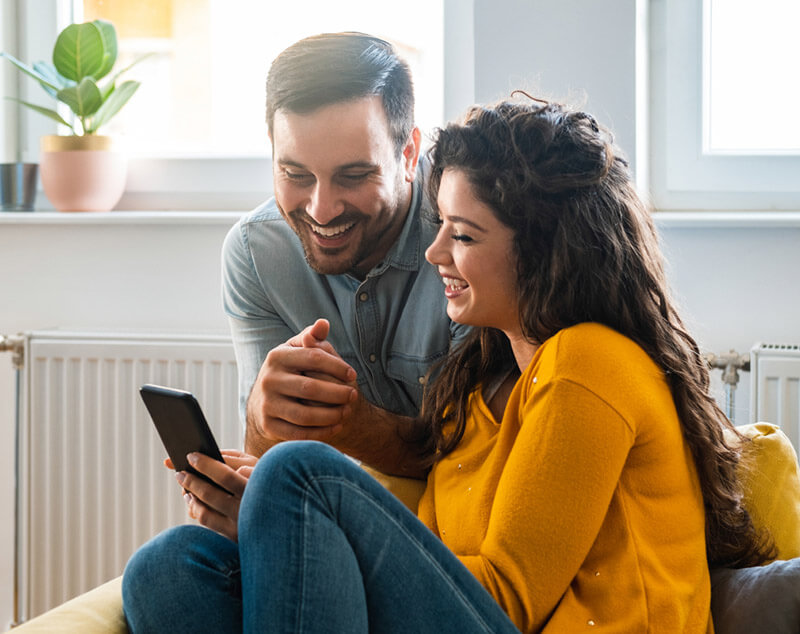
pixel 324 205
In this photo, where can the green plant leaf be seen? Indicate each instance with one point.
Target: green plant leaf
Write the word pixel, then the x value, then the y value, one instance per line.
pixel 112 105
pixel 79 51
pixel 84 99
pixel 51 74
pixel 31 72
pixel 46 112
pixel 109 35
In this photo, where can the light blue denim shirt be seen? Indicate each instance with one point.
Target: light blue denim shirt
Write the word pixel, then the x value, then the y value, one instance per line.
pixel 390 327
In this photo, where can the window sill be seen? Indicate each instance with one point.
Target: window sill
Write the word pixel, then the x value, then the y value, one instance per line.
pixel 727 219
pixel 226 218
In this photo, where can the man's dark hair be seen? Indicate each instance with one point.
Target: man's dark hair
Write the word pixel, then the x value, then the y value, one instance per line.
pixel 334 67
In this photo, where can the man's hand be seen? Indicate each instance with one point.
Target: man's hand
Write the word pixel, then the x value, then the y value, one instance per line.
pixel 304 391
pixel 211 506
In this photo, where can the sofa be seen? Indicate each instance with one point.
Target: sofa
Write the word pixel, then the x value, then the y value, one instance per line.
pixel 768 601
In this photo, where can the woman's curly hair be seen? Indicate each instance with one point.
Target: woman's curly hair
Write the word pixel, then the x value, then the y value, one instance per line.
pixel 586 251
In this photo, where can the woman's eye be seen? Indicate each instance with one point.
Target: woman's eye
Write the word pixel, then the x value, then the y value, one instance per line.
pixel 461 237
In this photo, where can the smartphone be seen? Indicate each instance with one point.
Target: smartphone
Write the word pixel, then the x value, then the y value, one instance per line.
pixel 181 425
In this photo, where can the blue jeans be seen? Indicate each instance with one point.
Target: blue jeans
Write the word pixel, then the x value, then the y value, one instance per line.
pixel 322 547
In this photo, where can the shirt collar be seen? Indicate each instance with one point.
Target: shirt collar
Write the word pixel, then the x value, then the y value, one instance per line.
pixel 405 252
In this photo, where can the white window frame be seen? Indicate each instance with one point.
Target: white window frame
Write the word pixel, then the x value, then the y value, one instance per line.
pixel 200 184
pixel 682 175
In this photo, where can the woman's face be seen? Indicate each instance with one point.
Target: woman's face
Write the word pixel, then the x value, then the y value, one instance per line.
pixel 475 256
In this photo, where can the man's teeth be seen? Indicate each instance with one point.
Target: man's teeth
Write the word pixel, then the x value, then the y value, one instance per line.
pixel 454 283
pixel 330 232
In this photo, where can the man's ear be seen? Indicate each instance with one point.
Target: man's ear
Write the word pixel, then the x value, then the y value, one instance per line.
pixel 411 154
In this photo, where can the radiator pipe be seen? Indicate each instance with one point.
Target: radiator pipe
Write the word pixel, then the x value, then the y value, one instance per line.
pixel 16 345
pixel 730 364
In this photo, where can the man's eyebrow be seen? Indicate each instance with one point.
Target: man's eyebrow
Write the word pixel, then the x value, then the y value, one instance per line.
pixel 363 165
pixel 290 163
pixel 465 221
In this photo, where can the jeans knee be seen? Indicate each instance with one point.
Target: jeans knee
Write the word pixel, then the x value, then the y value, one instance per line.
pixel 290 461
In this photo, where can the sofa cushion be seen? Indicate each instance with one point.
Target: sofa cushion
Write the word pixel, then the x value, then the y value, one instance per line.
pixel 755 600
pixel 769 473
pixel 98 611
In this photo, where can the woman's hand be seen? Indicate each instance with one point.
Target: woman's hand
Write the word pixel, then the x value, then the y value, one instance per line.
pixel 210 505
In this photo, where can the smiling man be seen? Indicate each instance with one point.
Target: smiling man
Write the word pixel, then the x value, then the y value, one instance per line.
pixel 342 241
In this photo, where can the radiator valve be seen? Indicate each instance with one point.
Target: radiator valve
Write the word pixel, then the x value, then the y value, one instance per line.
pixel 15 345
pixel 730 364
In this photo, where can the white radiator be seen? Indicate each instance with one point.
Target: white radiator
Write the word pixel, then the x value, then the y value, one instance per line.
pixel 92 485
pixel 775 387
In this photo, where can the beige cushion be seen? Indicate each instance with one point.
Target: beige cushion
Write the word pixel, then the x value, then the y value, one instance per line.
pixel 98 611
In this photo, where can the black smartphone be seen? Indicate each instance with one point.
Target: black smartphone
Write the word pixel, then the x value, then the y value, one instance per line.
pixel 181 425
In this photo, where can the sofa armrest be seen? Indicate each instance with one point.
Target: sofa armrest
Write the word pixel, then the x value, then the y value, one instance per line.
pixel 97 611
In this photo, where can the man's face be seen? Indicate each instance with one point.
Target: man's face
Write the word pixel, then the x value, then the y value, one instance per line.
pixel 340 183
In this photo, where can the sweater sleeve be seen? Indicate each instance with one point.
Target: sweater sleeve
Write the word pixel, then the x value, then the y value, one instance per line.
pixel 552 497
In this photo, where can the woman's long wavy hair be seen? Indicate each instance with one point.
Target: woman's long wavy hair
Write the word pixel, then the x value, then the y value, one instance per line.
pixel 586 251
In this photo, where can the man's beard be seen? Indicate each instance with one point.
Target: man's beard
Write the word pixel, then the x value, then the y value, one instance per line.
pixel 300 222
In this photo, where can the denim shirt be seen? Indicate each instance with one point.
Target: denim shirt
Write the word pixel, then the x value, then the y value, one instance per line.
pixel 390 327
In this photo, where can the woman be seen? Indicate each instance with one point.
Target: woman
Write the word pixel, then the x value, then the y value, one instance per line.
pixel 579 476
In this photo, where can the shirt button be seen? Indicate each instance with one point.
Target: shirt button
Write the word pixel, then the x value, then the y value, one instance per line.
pixel 373 358
pixel 363 297
pixel 421 380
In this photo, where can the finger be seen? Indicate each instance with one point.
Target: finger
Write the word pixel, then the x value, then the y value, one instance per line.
pixel 236 461
pixel 284 430
pixel 318 388
pixel 221 473
pixel 316 334
pixel 245 471
pixel 209 518
pixel 210 495
pixel 311 336
pixel 299 360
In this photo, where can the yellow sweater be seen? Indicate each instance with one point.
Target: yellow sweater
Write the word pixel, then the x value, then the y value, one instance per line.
pixel 581 510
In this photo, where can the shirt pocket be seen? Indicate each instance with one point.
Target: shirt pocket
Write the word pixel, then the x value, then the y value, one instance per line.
pixel 410 374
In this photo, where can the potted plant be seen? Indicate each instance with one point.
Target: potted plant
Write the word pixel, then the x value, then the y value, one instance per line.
pixel 82 171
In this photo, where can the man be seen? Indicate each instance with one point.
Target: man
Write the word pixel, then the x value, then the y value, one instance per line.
pixel 342 240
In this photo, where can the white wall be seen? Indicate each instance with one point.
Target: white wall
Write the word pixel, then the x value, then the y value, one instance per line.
pixel 736 277
pixel 112 272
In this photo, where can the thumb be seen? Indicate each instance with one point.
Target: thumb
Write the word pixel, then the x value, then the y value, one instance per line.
pixel 317 333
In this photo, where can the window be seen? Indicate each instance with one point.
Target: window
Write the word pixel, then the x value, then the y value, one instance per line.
pixel 195 130
pixel 202 91
pixel 723 99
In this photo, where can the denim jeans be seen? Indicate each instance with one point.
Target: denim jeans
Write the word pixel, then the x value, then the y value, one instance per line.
pixel 322 547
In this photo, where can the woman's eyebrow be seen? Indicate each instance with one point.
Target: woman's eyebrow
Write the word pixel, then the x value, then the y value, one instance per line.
pixel 465 221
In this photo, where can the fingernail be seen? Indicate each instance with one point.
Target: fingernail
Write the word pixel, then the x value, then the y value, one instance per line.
pixel 187 497
pixel 192 458
pixel 180 476
pixel 351 375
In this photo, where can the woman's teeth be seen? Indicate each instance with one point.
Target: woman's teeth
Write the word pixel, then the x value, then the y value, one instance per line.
pixel 453 283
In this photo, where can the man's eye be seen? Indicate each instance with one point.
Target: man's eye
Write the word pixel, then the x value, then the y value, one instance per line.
pixel 354 178
pixel 296 176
